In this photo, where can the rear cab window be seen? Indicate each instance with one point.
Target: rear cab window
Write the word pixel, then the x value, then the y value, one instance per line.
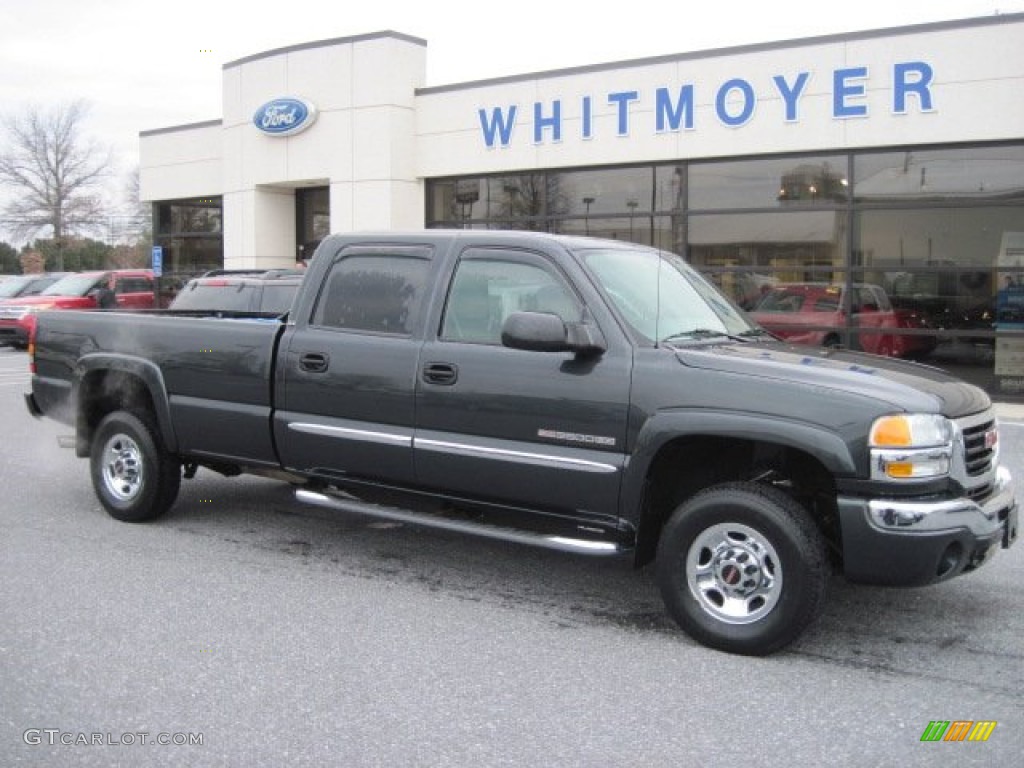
pixel 220 295
pixel 377 289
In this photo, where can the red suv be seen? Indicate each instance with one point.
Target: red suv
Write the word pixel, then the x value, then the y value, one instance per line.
pixel 133 289
pixel 815 313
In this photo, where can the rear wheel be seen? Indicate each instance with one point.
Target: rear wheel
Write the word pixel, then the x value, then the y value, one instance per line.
pixel 134 478
pixel 742 568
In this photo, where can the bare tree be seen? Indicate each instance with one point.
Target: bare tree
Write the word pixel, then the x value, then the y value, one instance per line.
pixel 53 173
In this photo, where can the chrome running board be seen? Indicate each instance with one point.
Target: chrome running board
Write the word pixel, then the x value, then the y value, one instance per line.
pixel 394 514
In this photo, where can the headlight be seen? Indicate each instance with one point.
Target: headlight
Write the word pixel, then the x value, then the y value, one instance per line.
pixel 910 446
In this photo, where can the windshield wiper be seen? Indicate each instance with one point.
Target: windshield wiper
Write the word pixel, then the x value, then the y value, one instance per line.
pixel 700 334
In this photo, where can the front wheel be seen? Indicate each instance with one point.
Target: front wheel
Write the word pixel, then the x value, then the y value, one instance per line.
pixel 134 478
pixel 742 568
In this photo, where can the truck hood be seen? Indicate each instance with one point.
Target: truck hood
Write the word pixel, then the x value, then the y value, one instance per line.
pixel 903 385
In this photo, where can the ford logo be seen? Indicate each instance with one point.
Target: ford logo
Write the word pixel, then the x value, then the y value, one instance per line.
pixel 284 117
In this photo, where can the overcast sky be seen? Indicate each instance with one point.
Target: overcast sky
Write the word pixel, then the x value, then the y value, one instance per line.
pixel 146 64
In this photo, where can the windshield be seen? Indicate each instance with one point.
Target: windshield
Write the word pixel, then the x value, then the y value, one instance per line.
pixel 662 298
pixel 73 285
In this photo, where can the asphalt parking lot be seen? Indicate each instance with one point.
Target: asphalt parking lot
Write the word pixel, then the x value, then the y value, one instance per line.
pixel 287 635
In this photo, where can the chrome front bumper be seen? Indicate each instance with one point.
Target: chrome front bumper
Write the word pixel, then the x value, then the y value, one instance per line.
pixel 980 519
pixel 907 542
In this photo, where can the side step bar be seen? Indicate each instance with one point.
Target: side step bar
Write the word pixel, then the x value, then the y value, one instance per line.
pixel 547 541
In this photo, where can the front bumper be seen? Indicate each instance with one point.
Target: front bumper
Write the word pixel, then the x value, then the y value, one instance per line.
pixel 906 542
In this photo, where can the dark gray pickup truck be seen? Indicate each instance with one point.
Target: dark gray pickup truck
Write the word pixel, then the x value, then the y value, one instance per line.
pixel 589 396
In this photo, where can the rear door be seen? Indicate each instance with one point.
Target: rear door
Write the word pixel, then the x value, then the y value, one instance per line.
pixel 539 430
pixel 134 292
pixel 347 371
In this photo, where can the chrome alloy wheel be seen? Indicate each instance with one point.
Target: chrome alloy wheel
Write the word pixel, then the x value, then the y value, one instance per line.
pixel 122 467
pixel 734 573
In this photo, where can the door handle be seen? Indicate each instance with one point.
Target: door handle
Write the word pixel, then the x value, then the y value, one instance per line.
pixel 314 362
pixel 440 373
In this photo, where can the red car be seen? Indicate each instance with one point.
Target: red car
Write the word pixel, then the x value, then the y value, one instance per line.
pixel 133 289
pixel 815 314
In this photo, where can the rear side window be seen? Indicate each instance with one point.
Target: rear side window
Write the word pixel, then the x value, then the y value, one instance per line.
pixel 134 285
pixel 38 285
pixel 373 292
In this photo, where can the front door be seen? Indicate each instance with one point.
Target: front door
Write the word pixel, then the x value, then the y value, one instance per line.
pixel 540 430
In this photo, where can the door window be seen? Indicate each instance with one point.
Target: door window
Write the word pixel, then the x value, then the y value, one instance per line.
pixel 373 293
pixel 485 292
pixel 133 285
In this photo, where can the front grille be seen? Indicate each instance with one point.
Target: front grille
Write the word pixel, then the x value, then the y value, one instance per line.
pixel 978 456
pixel 980 493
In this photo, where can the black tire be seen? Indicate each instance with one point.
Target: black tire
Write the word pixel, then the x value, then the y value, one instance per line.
pixel 134 478
pixel 742 568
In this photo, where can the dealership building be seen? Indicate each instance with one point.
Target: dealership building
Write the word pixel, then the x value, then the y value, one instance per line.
pixel 890 159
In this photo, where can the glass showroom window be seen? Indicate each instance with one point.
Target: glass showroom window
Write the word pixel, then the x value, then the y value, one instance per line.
pixel 942 231
pixel 816 181
pixel 949 272
pixel 759 250
pixel 190 233
pixel 507 202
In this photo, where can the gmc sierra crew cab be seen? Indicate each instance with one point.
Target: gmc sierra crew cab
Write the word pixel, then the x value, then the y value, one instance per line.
pixel 591 396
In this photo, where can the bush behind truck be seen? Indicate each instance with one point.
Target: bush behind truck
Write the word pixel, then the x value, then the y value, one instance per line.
pixel 590 396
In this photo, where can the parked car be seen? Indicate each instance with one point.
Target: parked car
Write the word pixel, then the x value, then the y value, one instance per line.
pixel 264 291
pixel 584 395
pixel 17 286
pixel 133 289
pixel 815 314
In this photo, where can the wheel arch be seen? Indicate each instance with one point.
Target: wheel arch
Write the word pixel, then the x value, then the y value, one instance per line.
pixel 106 382
pixel 687 453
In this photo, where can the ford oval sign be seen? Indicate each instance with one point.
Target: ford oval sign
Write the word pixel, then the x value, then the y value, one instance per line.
pixel 284 117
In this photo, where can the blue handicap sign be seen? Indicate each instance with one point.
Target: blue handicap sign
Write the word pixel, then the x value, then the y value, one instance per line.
pixel 158 260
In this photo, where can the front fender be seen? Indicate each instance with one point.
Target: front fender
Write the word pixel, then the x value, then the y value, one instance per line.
pixel 665 426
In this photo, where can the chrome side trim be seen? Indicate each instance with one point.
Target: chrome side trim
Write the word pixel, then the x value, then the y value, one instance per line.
pixel 365 435
pixel 546 541
pixel 521 457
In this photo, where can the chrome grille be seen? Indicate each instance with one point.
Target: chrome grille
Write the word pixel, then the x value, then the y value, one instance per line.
pixel 978 456
pixel 980 493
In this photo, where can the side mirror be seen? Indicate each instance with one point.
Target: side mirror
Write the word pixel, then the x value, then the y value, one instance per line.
pixel 545 332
